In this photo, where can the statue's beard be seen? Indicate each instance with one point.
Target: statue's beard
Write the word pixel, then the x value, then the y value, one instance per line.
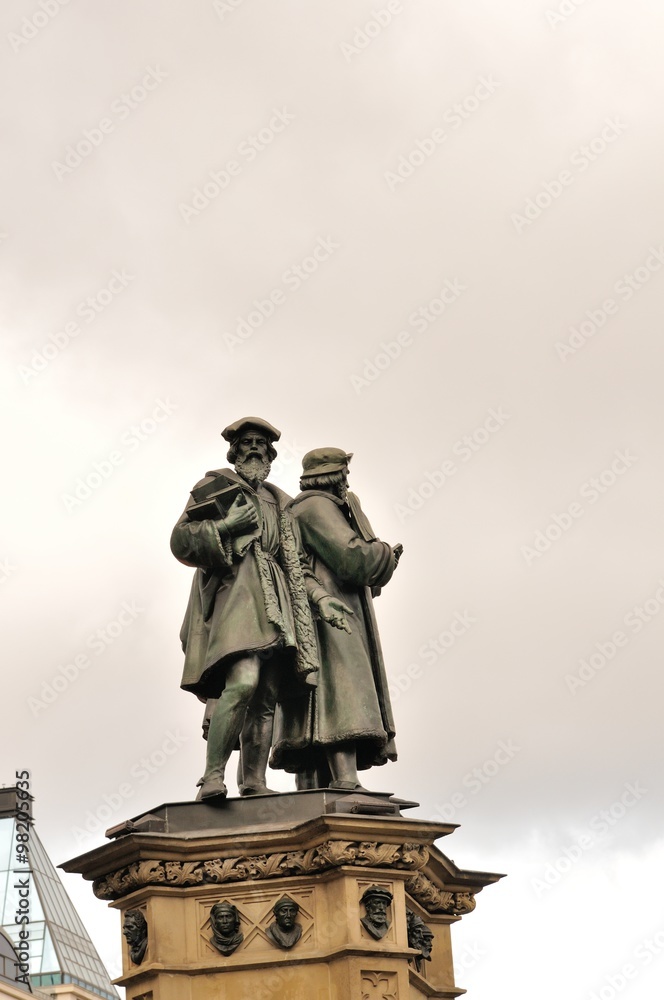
pixel 254 469
pixel 341 491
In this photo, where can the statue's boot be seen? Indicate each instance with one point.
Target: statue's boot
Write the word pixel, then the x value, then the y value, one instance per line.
pixel 255 746
pixel 213 786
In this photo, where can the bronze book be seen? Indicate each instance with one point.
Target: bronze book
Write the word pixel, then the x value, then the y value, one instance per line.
pixel 214 499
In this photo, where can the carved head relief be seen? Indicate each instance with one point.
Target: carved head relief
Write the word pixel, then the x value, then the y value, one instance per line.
pixel 285 931
pixel 376 902
pixel 420 937
pixel 225 923
pixel 135 930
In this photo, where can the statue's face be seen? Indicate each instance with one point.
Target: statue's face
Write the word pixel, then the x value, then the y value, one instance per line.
pixel 223 920
pixel 416 936
pixel 252 459
pixel 426 942
pixel 131 930
pixel 252 444
pixel 377 910
pixel 286 916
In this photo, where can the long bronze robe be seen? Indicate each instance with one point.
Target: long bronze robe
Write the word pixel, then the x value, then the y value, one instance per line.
pixel 247 596
pixel 351 702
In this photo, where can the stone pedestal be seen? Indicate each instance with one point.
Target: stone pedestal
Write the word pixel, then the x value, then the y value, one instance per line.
pixel 323 849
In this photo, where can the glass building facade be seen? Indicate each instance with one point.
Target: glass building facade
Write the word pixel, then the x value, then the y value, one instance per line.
pixel 8 965
pixel 58 946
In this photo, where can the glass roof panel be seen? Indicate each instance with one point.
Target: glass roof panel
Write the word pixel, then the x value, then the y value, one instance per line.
pixel 60 945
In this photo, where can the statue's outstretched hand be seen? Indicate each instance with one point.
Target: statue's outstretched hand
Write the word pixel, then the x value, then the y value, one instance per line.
pixel 241 517
pixel 334 611
pixel 398 552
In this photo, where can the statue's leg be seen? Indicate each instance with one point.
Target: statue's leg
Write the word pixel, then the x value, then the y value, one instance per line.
pixel 317 775
pixel 227 720
pixel 210 706
pixel 342 760
pixel 256 737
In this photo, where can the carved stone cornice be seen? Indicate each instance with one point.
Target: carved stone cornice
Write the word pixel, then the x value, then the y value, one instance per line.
pixel 436 900
pixel 325 856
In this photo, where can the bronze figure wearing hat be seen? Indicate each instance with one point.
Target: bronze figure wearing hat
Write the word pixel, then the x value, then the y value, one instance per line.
pixel 346 724
pixel 248 630
pixel 285 931
pixel 225 925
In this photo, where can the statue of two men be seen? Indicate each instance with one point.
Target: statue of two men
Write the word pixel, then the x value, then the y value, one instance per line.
pixel 280 615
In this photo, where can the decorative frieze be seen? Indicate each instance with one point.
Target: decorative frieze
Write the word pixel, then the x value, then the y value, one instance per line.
pixel 331 854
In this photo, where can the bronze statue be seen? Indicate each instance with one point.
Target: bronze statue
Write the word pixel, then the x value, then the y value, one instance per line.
pixel 135 931
pixel 225 923
pixel 284 931
pixel 248 631
pixel 376 901
pixel 346 723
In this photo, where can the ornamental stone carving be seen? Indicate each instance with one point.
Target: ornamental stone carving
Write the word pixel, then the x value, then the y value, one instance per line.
pixel 379 986
pixel 216 871
pixel 437 900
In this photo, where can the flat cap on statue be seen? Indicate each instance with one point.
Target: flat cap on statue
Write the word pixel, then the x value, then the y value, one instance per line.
pixel 377 891
pixel 231 432
pixel 323 460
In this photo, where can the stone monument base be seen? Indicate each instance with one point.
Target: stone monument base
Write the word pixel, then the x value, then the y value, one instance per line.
pixel 321 849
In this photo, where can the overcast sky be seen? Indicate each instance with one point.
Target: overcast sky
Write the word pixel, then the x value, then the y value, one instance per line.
pixel 428 233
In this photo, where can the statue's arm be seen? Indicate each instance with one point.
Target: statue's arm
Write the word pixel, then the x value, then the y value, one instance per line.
pixel 352 559
pixel 323 604
pixel 205 544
